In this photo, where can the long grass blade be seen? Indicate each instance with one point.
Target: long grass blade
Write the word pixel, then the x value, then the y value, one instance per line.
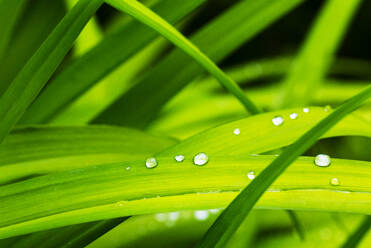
pixel 145 15
pixel 232 217
pixel 111 191
pixel 42 65
pixel 238 24
pixel 33 29
pixel 29 152
pixel 116 48
pixel 359 233
pixel 9 13
pixel 317 53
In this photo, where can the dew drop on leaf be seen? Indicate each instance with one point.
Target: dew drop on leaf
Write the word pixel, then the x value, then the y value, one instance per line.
pixel 128 168
pixel 306 110
pixel 201 159
pixel 277 120
pixel 327 108
pixel 335 181
pixel 251 175
pixel 201 215
pixel 237 131
pixel 179 158
pixel 293 116
pixel 174 216
pixel 322 160
pixel 151 163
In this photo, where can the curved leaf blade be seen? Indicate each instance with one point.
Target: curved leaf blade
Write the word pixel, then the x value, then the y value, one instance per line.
pixel 233 216
pixel 38 70
pixel 143 102
pixel 145 15
pixel 111 191
pixel 35 151
pixel 87 70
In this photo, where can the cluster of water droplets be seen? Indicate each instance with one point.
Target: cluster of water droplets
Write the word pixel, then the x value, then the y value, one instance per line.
pixel 279 120
pixel 323 160
pixel 200 159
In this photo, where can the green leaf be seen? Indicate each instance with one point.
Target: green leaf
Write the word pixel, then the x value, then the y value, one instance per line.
pixel 316 55
pixel 259 135
pixel 43 150
pixel 110 191
pixel 92 233
pixel 97 63
pixel 33 29
pixel 358 234
pixel 231 218
pixel 238 24
pixel 43 240
pixel 10 10
pixel 38 70
pixel 89 37
pixel 145 15
pixel 198 108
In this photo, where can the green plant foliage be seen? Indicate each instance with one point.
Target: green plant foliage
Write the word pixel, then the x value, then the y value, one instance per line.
pixel 232 217
pixel 121 123
pixel 30 28
pixel 88 69
pixel 142 102
pixel 317 53
pixel 41 66
pixel 72 147
pixel 140 12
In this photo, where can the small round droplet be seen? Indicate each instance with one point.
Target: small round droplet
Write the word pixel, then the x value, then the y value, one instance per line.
pixel 335 181
pixel 161 217
pixel 201 159
pixel 151 163
pixel 215 210
pixel 293 116
pixel 306 110
pixel 174 216
pixel 277 120
pixel 237 131
pixel 128 168
pixel 201 215
pixel 327 108
pixel 251 175
pixel 179 158
pixel 322 160
pixel 120 203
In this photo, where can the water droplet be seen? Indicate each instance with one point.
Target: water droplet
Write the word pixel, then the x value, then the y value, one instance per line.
pixel 128 168
pixel 322 160
pixel 120 203
pixel 277 120
pixel 161 217
pixel 237 131
pixel 335 181
pixel 179 158
pixel 173 216
pixel 151 163
pixel 327 108
pixel 201 215
pixel 306 110
pixel 293 116
pixel 201 159
pixel 215 210
pixel 251 175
